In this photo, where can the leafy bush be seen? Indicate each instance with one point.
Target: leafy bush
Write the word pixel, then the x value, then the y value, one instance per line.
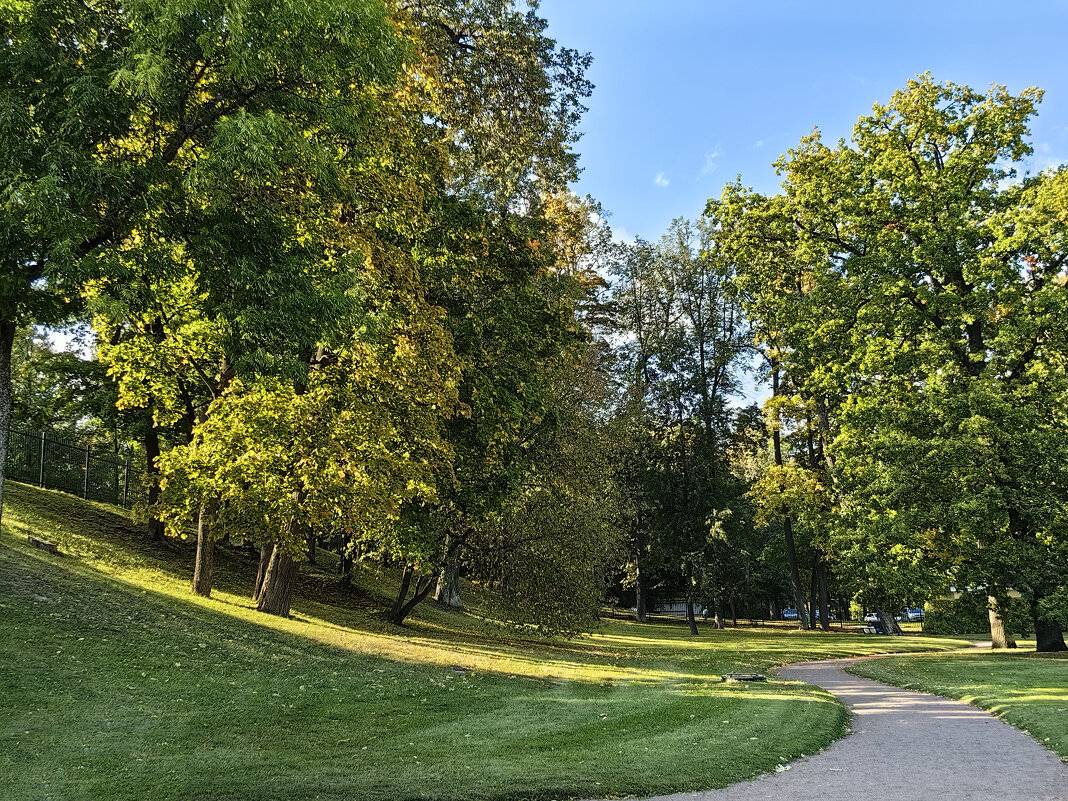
pixel 968 615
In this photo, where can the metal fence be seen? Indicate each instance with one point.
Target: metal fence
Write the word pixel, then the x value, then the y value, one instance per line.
pixel 56 463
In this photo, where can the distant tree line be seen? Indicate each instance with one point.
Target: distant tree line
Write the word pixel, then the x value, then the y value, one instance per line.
pixel 904 296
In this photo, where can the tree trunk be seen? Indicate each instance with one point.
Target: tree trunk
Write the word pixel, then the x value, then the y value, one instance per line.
pixel 717 613
pixel 205 520
pixel 690 616
pixel 999 637
pixel 824 597
pixel 1049 637
pixel 641 588
pixel 889 624
pixel 312 542
pixel 277 589
pixel 402 595
pixel 7 341
pixel 813 592
pixel 344 564
pixel 447 592
pixel 266 549
pixel 795 573
pixel 787 523
pixel 278 580
pixel 402 605
pixel 205 552
pixel 734 611
pixel 155 525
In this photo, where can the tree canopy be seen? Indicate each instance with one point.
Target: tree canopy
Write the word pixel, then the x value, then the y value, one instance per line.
pixel 342 294
pixel 910 285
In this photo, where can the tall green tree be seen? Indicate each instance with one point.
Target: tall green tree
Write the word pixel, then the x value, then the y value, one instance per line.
pixel 139 130
pixel 686 335
pixel 939 280
pixel 510 310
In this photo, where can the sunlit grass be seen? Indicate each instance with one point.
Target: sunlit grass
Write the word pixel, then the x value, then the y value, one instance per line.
pixel 118 683
pixel 1027 689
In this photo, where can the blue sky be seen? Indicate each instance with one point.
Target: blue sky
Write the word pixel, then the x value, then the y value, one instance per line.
pixel 690 94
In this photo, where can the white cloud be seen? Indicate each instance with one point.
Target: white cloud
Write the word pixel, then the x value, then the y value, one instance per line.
pixel 621 235
pixel 661 180
pixel 710 164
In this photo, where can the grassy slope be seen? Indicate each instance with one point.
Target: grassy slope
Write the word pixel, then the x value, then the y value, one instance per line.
pixel 116 683
pixel 1028 690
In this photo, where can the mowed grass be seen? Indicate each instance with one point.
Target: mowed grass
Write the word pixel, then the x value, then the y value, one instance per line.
pixel 117 683
pixel 1027 689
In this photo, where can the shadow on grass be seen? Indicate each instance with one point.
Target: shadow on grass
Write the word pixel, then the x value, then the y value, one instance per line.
pixel 107 540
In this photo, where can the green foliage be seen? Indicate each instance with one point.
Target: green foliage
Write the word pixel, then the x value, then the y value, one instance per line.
pixel 507 99
pixel 964 615
pixel 344 453
pixel 58 390
pixel 165 113
pixel 684 508
pixel 550 548
pixel 912 289
pixel 181 166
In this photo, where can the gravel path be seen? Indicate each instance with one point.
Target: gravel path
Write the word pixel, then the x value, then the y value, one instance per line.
pixel 906 746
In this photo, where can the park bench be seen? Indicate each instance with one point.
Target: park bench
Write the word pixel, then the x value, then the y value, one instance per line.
pixel 744 677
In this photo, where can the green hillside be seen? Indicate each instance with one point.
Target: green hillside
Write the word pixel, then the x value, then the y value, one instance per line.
pixel 118 683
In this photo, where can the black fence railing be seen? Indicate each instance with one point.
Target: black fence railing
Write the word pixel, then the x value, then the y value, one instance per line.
pixel 56 463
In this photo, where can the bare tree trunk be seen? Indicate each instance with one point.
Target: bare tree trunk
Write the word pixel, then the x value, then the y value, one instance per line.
pixel 152 451
pixel 447 592
pixel 266 548
pixel 795 573
pixel 281 572
pixel 824 597
pixel 205 558
pixel 641 588
pixel 402 605
pixel 889 624
pixel 402 594
pixel 7 342
pixel 1049 637
pixel 278 580
pixel 813 593
pixel 344 564
pixel 999 637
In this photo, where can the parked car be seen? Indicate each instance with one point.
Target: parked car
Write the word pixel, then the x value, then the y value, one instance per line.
pixel 871 617
pixel 789 614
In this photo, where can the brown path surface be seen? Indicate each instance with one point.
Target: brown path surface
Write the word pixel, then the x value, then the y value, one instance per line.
pixel 906 746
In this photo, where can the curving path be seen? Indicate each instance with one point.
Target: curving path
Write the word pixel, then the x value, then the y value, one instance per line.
pixel 906 746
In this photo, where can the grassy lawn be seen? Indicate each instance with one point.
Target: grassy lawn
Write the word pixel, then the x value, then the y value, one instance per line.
pixel 1028 690
pixel 117 683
